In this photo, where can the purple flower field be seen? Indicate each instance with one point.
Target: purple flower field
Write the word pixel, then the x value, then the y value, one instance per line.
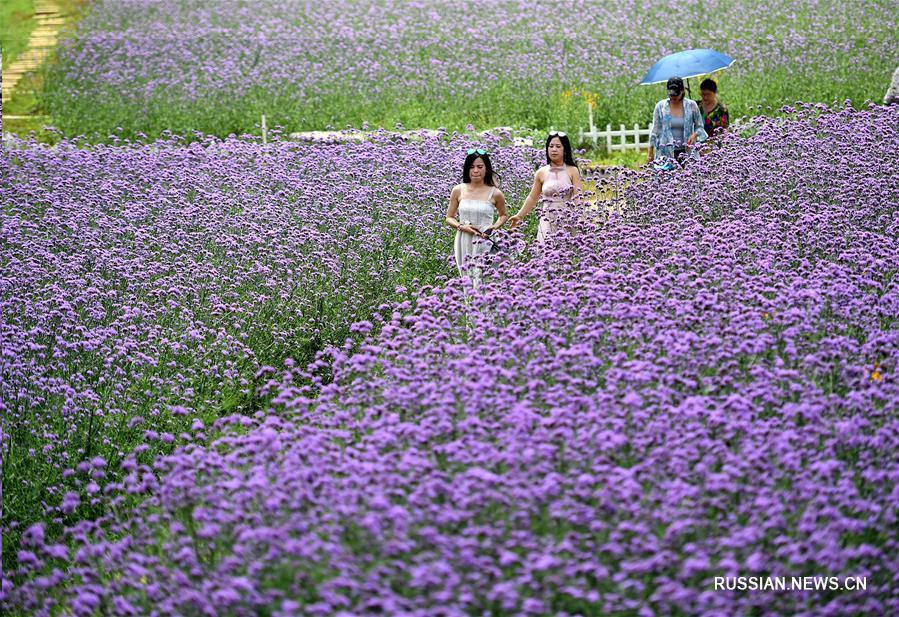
pixel 147 288
pixel 215 66
pixel 703 385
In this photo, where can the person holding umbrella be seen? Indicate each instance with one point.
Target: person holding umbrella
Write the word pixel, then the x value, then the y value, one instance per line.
pixel 676 125
pixel 672 70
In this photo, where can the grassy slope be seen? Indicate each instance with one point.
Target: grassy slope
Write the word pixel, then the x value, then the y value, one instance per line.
pixel 16 24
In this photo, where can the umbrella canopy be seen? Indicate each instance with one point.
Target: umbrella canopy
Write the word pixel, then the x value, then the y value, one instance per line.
pixel 686 64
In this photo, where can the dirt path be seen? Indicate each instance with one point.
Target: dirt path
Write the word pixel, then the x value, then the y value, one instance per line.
pixel 40 44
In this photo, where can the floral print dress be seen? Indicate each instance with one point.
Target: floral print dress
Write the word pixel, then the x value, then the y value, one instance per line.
pixel 716 120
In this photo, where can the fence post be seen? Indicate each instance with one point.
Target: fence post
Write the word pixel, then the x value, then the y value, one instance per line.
pixel 608 138
pixel 264 131
pixel 636 136
pixel 623 139
pixel 590 117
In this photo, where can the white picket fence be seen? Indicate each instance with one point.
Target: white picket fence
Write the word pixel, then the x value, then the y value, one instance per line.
pixel 620 140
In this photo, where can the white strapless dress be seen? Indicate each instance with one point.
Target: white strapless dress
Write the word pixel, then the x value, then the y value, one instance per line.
pixel 478 213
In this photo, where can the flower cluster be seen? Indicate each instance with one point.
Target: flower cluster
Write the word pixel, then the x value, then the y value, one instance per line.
pixel 680 391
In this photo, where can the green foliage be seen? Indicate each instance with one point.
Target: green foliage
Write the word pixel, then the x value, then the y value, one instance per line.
pixel 95 116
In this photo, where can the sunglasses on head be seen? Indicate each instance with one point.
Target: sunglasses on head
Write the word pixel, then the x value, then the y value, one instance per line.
pixel 478 150
pixel 557 134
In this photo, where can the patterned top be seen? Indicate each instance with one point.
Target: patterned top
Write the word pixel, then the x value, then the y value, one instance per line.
pixel 662 138
pixel 716 119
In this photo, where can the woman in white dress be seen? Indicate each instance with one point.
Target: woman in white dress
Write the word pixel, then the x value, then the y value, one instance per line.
pixel 471 208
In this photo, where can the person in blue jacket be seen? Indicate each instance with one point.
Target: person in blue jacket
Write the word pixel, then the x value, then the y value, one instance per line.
pixel 677 125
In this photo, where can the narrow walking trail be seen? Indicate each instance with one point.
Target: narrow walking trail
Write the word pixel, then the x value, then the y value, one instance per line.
pixel 40 44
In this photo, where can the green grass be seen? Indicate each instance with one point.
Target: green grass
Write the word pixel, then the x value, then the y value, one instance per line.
pixel 16 24
pixel 97 113
pixel 629 158
pixel 23 102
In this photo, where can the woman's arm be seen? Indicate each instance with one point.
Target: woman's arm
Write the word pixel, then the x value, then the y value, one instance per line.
pixel 453 208
pixel 500 203
pixel 530 201
pixel 574 174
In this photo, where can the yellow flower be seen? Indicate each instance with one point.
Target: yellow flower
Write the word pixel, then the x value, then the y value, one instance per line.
pixel 876 375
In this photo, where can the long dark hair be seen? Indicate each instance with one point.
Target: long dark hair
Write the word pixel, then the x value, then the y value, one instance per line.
pixel 489 180
pixel 567 152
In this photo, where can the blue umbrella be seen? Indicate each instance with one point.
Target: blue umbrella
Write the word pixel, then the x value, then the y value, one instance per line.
pixel 686 64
